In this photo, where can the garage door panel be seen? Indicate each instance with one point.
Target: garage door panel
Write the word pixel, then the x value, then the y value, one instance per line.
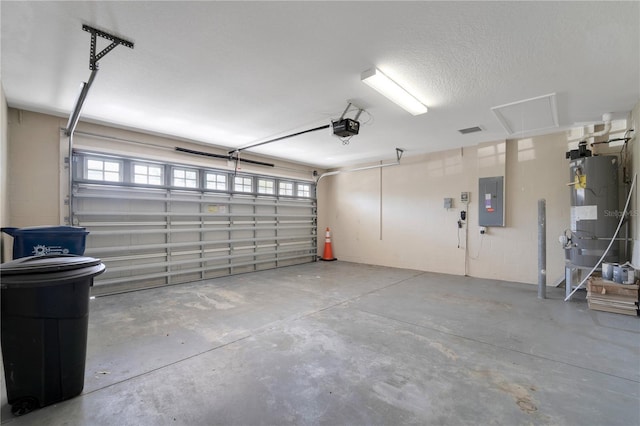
pixel 149 236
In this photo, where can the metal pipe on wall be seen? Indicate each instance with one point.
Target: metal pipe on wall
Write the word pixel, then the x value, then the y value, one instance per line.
pixel 542 249
pixel 337 172
pixel 399 153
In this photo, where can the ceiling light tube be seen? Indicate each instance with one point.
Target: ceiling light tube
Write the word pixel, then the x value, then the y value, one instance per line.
pixel 389 88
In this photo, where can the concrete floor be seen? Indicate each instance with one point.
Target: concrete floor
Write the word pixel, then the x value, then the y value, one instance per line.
pixel 341 343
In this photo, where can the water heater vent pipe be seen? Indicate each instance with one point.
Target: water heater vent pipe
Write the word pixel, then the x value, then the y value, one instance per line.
pixel 607 127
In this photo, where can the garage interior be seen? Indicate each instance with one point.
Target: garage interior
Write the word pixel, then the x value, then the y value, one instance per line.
pixel 208 147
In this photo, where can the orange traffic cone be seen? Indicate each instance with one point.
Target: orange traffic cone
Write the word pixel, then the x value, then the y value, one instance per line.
pixel 328 252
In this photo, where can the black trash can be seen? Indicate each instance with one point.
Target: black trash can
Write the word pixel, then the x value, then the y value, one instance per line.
pixel 45 313
pixel 46 240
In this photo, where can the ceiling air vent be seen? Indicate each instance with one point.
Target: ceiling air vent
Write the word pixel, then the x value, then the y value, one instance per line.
pixel 470 130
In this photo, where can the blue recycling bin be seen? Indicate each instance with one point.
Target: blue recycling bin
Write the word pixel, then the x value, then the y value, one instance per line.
pixel 47 240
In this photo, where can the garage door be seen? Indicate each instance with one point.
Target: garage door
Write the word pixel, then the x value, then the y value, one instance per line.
pixel 156 224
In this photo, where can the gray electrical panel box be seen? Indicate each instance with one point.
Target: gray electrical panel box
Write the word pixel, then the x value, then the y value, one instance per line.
pixel 491 201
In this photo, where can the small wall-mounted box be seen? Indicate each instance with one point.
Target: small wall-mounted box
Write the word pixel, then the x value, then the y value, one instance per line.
pixel 448 203
pixel 464 197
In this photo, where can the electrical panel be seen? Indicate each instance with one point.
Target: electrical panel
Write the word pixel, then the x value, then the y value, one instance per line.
pixel 491 201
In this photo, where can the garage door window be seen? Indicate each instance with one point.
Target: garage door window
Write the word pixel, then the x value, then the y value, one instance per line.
pixel 147 174
pixel 243 184
pixel 216 181
pixel 266 186
pixel 286 188
pixel 304 190
pixel 103 170
pixel 185 178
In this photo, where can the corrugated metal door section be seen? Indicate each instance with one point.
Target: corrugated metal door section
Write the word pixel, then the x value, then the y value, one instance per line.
pixel 154 235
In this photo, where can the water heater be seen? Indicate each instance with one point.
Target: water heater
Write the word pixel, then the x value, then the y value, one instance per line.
pixel 594 209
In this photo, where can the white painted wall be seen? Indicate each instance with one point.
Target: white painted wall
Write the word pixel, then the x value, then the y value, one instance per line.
pixel 33 183
pixel 395 216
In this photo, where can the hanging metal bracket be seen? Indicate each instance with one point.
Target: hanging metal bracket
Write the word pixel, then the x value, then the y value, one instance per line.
pixel 349 104
pixel 115 41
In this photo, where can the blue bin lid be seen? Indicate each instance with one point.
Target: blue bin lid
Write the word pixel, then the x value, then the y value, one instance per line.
pixel 45 230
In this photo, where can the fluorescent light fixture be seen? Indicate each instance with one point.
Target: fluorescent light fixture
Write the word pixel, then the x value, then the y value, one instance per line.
pixel 389 88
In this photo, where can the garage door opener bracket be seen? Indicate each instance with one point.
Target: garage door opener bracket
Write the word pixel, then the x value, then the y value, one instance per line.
pixel 75 114
pixel 115 41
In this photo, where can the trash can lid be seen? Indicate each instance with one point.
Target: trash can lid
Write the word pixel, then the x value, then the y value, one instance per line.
pixel 47 264
pixel 45 230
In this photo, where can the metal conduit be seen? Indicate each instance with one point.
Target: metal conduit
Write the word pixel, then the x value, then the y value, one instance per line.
pixel 399 153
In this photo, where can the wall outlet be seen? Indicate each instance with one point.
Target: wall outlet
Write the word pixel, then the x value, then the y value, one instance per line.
pixel 483 230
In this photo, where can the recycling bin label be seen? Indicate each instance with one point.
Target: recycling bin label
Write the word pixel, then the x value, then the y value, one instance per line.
pixel 42 250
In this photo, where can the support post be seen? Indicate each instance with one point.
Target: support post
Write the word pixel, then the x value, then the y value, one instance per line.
pixel 542 249
pixel 568 282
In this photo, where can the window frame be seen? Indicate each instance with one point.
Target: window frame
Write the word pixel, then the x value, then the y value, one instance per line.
pixel 103 160
pixel 208 173
pixel 244 185
pixel 267 181
pixel 185 170
pixel 307 190
pixel 158 174
pixel 134 164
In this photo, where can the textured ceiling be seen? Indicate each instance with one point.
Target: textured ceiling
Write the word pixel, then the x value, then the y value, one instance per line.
pixel 236 73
